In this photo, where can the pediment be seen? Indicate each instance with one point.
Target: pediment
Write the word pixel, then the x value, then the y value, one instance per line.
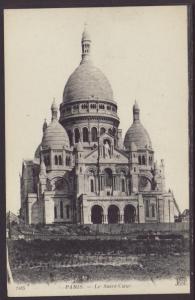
pixel 116 157
pixel 106 135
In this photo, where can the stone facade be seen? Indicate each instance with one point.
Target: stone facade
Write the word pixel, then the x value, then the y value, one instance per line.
pixel 83 172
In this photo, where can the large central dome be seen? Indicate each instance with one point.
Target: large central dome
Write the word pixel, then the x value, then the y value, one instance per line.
pixel 88 102
pixel 87 82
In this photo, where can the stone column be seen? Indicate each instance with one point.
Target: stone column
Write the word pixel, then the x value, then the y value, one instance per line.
pixel 64 157
pixel 49 209
pixel 122 218
pixel 102 182
pixel 114 182
pixel 81 213
pixel 89 133
pixel 51 159
pixel 105 219
pixel 126 186
pixel 73 137
pixel 81 134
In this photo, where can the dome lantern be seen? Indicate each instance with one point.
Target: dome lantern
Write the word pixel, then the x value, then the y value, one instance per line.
pixel 55 136
pixel 44 125
pixel 136 111
pixel 54 110
pixel 86 44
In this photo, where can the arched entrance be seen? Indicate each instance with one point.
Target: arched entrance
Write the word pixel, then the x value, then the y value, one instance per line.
pixel 96 214
pixel 108 177
pixel 113 214
pixel 129 214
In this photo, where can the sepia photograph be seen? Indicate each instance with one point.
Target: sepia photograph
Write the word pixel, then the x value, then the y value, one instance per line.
pixel 97 151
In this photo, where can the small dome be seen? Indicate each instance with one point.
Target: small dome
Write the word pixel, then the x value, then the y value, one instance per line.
pixel 55 136
pixel 87 83
pixel 138 135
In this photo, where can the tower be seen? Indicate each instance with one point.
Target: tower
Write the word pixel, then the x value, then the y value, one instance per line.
pixel 133 165
pixel 86 44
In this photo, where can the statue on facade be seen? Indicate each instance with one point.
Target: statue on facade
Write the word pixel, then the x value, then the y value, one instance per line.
pixel 107 149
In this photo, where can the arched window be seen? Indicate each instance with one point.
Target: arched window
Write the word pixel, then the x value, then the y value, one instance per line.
pixel 75 107
pixel 67 211
pixel 96 214
pixel 153 210
pixel 143 160
pixel 76 135
pixel 92 185
pixel 61 210
pixel 147 208
pixel 110 131
pixel 94 134
pixel 123 184
pixel 139 160
pixel 70 136
pixel 84 106
pixel 67 161
pixel 108 178
pixel 85 135
pixel 129 214
pixel 56 160
pixel 55 212
pixel 102 130
pixel 60 159
pixel 48 160
pixel 101 106
pixel 113 214
pixel 93 106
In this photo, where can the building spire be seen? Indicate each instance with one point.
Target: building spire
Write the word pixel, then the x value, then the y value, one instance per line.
pixel 54 110
pixel 86 44
pixel 44 125
pixel 42 167
pixel 136 111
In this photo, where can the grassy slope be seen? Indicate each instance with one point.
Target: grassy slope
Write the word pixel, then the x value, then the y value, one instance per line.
pixel 38 261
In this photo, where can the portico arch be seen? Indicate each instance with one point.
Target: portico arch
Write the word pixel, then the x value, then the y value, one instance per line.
pixel 113 214
pixel 96 214
pixel 129 214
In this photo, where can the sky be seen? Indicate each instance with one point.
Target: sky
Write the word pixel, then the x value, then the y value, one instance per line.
pixel 141 50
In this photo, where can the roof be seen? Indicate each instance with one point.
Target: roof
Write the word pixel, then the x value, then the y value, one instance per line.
pixel 55 136
pixel 87 82
pixel 138 135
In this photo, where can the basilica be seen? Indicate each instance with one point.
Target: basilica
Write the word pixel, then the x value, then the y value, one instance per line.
pixel 83 172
